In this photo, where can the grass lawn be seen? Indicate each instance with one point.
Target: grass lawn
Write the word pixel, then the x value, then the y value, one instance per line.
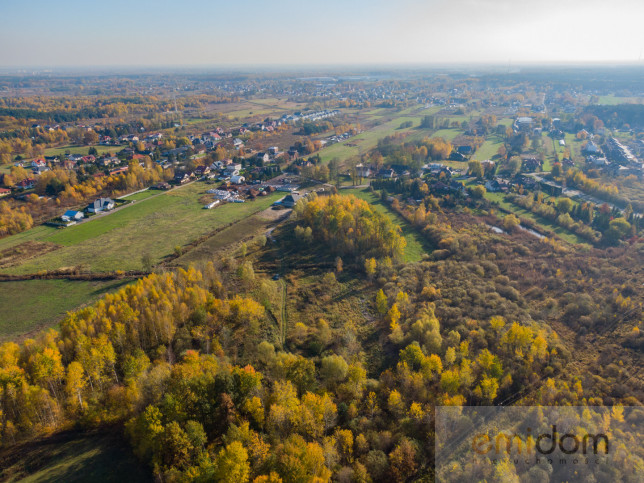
pixel 81 150
pixel 33 304
pixel 142 195
pixel 417 246
pixel 447 134
pixel 153 226
pixel 488 149
pixel 73 457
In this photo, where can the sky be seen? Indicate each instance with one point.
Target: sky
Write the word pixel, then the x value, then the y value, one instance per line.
pixel 133 33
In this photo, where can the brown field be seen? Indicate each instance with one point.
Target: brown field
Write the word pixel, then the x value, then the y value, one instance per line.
pixel 17 254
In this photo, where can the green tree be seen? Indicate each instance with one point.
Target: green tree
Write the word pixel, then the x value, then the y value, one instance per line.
pixel 475 168
pixel 231 465
pixel 382 305
pixel 510 222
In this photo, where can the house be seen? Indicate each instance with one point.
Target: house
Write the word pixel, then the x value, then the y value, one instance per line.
pixel 236 179
pixel 523 124
pixel 181 178
pixel 232 170
pixel 274 150
pixel 238 142
pixel 263 157
pixel 465 150
pixel 26 184
pixel 101 204
pixel 69 164
pixel 456 156
pixel 386 173
pixel 72 215
pixel 290 200
pixel 202 170
pixel 4 192
pixel 117 171
pixel 531 164
pixel 40 170
pixel 161 186
pixel 495 186
pixel 591 149
pixel 108 161
pixel 38 163
pixel 363 171
pixel 562 142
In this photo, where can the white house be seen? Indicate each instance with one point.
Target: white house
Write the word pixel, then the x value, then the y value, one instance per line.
pixel 101 204
pixel 236 179
pixel 72 215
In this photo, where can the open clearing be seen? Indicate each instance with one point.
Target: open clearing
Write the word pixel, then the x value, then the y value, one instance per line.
pixel 81 150
pixel 73 457
pixel 521 212
pixel 417 246
pixel 250 227
pixel 388 125
pixel 154 226
pixel 488 149
pixel 30 305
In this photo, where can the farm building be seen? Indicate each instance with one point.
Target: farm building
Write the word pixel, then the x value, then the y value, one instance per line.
pixel 211 205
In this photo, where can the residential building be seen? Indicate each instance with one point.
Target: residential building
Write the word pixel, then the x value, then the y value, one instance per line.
pixel 101 204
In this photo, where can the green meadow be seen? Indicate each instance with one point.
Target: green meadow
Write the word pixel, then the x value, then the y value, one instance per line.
pixel 118 241
pixel 417 246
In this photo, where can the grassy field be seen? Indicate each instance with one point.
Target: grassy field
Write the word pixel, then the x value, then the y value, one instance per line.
pixel 521 212
pixel 118 241
pixel 73 457
pixel 488 149
pixel 447 134
pixel 417 246
pixel 143 195
pixel 30 305
pixel 228 238
pixel 81 150
pixel 615 100
pixel 263 107
pixel 390 124
pixel 572 144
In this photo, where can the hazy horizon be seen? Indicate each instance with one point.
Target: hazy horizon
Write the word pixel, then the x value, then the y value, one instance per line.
pixel 286 33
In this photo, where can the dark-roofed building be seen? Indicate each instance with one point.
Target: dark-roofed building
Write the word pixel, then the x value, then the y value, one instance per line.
pixel 290 200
